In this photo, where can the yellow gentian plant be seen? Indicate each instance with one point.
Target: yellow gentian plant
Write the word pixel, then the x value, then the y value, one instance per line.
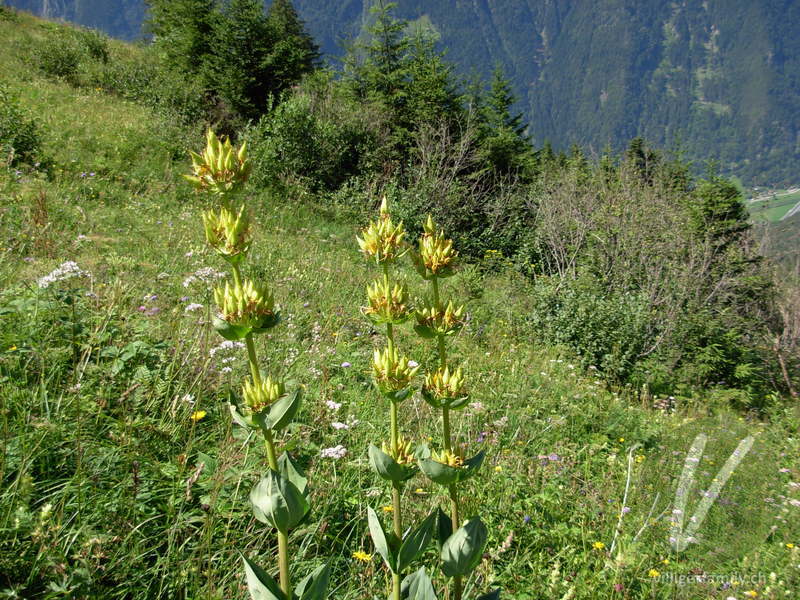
pixel 461 544
pixel 383 241
pixel 247 308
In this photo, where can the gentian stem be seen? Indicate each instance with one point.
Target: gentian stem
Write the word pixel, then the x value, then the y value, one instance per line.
pixel 446 434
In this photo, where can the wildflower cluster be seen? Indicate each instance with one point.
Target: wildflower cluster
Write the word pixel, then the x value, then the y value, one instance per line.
pixel 66 270
pixel 393 374
pixel 218 169
pixel 461 543
pixel 382 240
pixel 246 308
pixel 444 388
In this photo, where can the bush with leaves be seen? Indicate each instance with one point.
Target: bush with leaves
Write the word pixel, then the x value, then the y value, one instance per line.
pixel 20 137
pixel 316 138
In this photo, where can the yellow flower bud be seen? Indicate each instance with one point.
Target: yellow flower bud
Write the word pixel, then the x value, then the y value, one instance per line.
pixel 444 384
pixel 404 454
pixel 228 233
pixel 446 457
pixel 382 239
pixel 218 169
pixel 258 397
pixel 432 322
pixel 391 371
pixel 435 256
pixel 245 304
pixel 387 304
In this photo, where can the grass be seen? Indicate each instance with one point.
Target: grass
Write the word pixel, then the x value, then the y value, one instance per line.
pixel 112 490
pixel 775 208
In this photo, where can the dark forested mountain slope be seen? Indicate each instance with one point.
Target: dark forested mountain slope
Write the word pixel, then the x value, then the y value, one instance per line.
pixel 718 78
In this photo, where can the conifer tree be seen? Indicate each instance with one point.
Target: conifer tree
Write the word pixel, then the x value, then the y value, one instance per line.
pixel 504 144
pixel 182 31
pixel 238 71
pixel 294 52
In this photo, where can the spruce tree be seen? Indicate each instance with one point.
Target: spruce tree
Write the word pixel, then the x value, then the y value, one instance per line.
pixel 504 145
pixel 294 52
pixel 182 32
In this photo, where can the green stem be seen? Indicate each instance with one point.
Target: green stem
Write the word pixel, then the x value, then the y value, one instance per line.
pixel 253 360
pixel 446 434
pixel 283 539
pixel 237 275
pixel 272 460
pixel 397 521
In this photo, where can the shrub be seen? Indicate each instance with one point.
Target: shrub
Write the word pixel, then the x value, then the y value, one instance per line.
pixel 609 330
pixel 94 43
pixel 20 139
pixel 58 56
pixel 309 142
pixel 146 82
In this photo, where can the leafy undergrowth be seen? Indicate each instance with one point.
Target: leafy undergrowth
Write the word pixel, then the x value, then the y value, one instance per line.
pixel 123 478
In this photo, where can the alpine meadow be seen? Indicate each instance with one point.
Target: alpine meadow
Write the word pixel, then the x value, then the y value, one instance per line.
pixel 272 329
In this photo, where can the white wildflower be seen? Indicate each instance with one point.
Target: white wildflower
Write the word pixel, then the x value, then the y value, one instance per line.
pixel 335 452
pixel 66 270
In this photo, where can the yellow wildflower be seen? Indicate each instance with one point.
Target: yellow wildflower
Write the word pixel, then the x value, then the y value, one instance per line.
pixel 790 545
pixel 751 593
pixel 388 508
pixel 382 239
pixel 198 415
pixel 598 545
pixel 653 573
pixel 362 556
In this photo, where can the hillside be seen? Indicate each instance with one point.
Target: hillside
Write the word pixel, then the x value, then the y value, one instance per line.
pixel 719 80
pixel 123 475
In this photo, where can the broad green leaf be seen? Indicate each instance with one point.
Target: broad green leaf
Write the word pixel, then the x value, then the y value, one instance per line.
pixel 289 469
pixel 277 502
pixel 315 585
pixel 463 550
pixel 447 475
pixel 379 539
pixel 238 418
pixel 415 542
pixel 260 585
pixel 268 323
pixel 417 586
pixel 387 467
pixel 234 333
pixel 280 413
pixel 398 396
pixel 444 528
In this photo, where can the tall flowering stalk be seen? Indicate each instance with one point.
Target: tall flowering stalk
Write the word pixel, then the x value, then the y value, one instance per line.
pixel 461 544
pixel 383 242
pixel 245 309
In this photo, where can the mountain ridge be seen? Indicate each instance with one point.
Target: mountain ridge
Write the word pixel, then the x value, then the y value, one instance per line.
pixel 717 80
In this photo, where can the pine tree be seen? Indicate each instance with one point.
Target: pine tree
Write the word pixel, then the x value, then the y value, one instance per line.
pixel 382 71
pixel 431 92
pixel 498 104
